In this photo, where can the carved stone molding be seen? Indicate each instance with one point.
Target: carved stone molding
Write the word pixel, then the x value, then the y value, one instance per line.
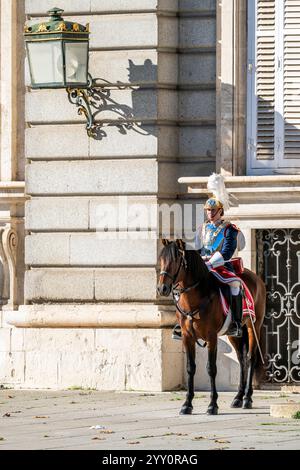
pixel 4 272
pixel 132 315
pixel 263 201
pixel 8 256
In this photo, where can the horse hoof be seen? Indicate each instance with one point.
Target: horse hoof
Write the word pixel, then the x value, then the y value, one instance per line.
pixel 212 410
pixel 237 403
pixel 247 404
pixel 186 410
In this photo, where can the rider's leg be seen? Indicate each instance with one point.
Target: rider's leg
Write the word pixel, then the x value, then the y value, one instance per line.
pixel 236 305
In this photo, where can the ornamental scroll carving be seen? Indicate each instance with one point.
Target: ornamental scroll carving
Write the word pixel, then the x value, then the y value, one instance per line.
pixel 8 256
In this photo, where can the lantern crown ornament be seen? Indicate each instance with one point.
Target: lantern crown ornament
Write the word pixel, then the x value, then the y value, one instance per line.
pixel 56 27
pixel 57 52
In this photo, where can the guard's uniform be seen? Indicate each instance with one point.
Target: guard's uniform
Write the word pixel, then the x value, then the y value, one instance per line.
pixel 221 238
pixel 217 243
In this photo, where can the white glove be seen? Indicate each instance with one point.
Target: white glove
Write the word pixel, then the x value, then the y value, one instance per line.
pixel 216 260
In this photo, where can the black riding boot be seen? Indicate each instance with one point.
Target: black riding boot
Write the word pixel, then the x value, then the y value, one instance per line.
pixel 176 333
pixel 236 305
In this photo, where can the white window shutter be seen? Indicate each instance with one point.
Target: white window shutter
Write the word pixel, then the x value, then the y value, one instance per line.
pixel 265 79
pixel 274 86
pixel 291 83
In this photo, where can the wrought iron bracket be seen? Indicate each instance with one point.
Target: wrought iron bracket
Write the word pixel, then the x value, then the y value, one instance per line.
pixel 92 100
pixel 81 97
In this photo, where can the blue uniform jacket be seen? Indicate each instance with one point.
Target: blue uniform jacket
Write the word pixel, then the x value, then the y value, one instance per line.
pixel 228 246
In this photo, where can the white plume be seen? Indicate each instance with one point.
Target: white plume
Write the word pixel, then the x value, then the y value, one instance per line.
pixel 216 185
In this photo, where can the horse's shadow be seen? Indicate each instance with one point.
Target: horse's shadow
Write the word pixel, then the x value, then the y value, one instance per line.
pixel 255 411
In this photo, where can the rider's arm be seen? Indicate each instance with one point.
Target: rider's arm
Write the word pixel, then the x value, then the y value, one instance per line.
pixel 219 258
pixel 230 242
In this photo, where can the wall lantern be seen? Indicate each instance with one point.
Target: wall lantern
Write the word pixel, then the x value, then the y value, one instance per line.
pixel 58 56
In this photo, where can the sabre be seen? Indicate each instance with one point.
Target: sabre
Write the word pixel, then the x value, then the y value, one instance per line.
pixel 254 331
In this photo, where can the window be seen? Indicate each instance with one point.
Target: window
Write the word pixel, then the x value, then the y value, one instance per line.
pixel 273 135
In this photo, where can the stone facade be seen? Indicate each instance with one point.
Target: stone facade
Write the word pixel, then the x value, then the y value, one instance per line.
pixel 85 309
pixel 149 56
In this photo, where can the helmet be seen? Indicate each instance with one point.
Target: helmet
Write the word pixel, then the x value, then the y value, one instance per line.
pixel 213 203
pixel 220 198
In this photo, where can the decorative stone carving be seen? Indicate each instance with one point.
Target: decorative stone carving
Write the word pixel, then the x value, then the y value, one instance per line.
pixel 8 256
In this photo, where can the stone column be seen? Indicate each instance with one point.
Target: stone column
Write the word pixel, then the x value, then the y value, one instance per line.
pixel 11 154
pixel 11 91
pixel 197 88
pixel 249 252
pixel 231 86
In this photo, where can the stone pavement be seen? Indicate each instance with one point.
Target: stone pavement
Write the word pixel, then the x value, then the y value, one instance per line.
pixel 132 420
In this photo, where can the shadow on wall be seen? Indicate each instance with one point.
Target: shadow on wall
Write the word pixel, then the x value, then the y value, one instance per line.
pixel 128 118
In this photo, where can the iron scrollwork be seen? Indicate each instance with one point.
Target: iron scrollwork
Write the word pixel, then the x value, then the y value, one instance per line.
pixel 279 262
pixel 96 98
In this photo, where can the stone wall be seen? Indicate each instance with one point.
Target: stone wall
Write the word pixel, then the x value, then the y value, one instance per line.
pixel 68 175
pixel 156 61
pixel 173 106
pixel 197 87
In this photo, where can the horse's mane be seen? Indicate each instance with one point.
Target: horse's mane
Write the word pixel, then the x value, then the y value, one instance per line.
pixel 195 265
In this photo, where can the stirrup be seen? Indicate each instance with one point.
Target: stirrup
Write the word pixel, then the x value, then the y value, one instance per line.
pixel 176 333
pixel 235 329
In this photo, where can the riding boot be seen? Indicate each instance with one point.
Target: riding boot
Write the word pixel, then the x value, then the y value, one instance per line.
pixel 176 333
pixel 236 306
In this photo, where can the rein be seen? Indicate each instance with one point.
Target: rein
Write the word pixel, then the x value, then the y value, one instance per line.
pixel 190 315
pixel 176 293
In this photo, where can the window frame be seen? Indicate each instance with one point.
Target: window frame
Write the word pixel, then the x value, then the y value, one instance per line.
pixel 279 164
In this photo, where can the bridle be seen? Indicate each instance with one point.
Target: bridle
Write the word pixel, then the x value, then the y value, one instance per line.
pixel 175 289
pixel 176 293
pixel 173 278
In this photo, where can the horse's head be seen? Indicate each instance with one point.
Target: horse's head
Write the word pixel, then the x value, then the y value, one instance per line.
pixel 172 265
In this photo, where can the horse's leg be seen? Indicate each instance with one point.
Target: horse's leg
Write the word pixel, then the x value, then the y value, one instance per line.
pixel 251 358
pixel 189 345
pixel 239 344
pixel 212 372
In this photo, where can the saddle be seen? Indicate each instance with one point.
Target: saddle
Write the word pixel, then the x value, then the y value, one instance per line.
pixel 238 266
pixel 223 276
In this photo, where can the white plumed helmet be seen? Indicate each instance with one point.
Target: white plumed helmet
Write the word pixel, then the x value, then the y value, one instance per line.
pixel 220 200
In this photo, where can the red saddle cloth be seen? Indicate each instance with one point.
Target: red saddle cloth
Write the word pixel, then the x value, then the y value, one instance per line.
pixel 225 276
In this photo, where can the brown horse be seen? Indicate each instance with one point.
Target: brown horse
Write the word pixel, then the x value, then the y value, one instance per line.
pixel 200 315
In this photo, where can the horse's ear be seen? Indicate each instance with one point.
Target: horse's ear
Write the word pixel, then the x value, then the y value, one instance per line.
pixel 181 244
pixel 165 242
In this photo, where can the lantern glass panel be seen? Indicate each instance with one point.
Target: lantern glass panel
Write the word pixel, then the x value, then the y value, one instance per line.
pixel 76 62
pixel 46 62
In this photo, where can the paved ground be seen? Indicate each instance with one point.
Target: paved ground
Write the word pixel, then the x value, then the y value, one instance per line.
pixel 63 420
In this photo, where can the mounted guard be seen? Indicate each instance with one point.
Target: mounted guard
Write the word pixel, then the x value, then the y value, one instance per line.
pixel 220 240
pixel 201 308
pixel 217 241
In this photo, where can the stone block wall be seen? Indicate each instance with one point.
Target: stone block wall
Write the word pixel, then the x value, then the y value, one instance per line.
pixel 70 176
pixel 163 54
pixel 105 359
pixel 156 61
pixel 197 87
